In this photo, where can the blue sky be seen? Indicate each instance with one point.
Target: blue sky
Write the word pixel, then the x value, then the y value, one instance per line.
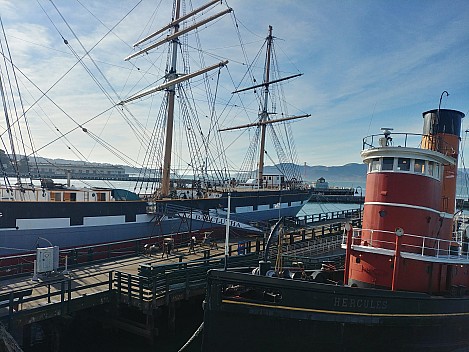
pixel 366 65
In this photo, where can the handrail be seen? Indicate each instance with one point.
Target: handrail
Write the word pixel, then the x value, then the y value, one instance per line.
pixel 332 215
pixel 400 139
pixel 372 141
pixel 424 246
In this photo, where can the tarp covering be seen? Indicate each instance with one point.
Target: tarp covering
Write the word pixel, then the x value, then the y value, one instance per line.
pixel 122 194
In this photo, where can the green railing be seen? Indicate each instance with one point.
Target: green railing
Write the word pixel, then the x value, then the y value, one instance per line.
pixel 159 284
pixel 156 284
pixel 332 215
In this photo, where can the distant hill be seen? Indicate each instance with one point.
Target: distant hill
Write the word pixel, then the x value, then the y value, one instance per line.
pixel 346 173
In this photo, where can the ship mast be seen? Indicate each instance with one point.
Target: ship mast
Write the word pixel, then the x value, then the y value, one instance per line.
pixel 170 110
pixel 172 78
pixel 264 115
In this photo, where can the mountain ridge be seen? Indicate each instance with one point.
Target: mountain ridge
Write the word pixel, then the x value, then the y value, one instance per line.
pixel 351 172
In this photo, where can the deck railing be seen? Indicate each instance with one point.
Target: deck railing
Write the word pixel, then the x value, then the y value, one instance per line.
pixel 332 215
pixel 398 139
pixel 417 245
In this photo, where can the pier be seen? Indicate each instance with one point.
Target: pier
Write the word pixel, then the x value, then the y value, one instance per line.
pixel 333 198
pixel 140 292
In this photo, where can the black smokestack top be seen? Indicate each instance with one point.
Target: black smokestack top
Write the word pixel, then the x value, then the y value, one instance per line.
pixel 442 121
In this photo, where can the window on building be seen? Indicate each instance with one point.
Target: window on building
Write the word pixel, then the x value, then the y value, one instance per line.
pixel 388 164
pixel 403 164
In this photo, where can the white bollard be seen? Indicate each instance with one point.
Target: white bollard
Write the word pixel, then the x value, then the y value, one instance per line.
pixel 35 278
pixel 66 272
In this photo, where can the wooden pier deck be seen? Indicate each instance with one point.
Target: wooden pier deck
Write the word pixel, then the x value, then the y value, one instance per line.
pixel 147 282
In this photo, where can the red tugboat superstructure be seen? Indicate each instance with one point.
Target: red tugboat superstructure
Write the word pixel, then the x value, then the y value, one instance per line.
pixel 409 209
pixel 405 283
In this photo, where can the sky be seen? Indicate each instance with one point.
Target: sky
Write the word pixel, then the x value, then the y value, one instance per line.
pixel 365 65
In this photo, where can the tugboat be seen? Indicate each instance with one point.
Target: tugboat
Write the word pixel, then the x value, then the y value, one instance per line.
pixel 406 275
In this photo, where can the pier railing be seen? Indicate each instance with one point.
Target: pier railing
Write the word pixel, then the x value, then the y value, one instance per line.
pixel 157 285
pixel 18 265
pixel 50 299
pixel 308 220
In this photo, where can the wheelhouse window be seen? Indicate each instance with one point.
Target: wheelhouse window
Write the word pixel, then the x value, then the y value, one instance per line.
pixel 375 165
pixel 403 164
pixel 436 170
pixel 416 166
pixel 388 164
pixel 419 166
pixel 430 168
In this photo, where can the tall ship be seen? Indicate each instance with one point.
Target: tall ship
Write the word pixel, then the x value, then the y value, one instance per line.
pixel 404 284
pixel 37 212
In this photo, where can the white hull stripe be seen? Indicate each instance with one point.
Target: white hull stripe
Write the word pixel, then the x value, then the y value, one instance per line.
pixel 401 205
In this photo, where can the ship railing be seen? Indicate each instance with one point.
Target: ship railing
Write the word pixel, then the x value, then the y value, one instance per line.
pixel 314 246
pixel 416 245
pixel 410 140
pixel 394 139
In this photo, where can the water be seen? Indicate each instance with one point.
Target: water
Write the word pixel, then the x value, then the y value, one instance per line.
pixel 87 331
pixel 316 208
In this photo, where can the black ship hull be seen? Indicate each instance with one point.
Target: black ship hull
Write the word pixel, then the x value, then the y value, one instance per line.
pixel 25 225
pixel 264 313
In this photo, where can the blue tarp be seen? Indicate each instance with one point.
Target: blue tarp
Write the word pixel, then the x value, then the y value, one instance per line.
pixel 122 194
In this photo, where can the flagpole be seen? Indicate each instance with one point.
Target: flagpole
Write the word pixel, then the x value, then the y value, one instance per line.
pixel 227 227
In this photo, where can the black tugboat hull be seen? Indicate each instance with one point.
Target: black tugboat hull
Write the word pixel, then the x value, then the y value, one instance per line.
pixel 281 314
